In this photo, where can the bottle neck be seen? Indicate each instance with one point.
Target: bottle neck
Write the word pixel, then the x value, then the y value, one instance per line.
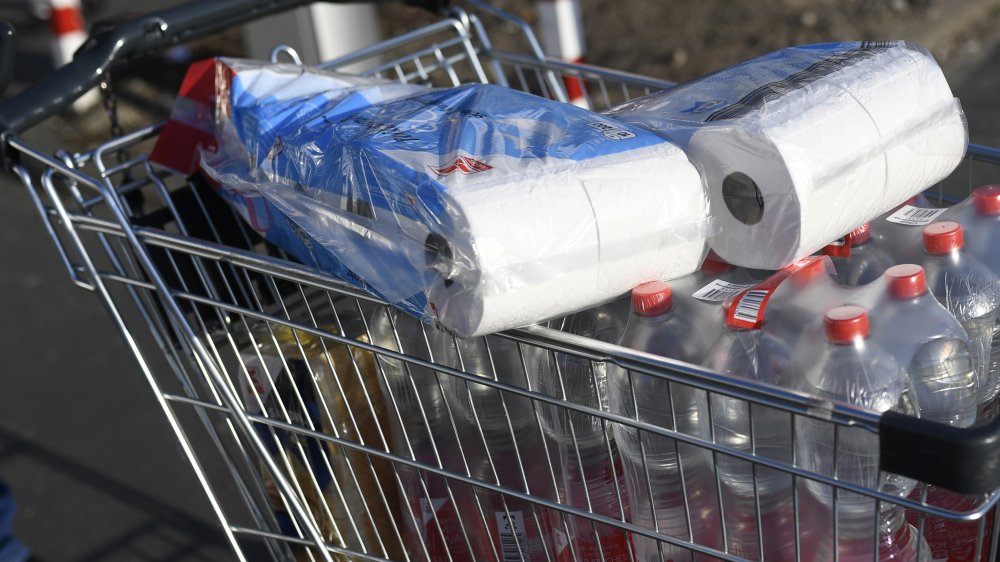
pixel 952 257
pixel 857 344
pixel 891 522
pixel 910 302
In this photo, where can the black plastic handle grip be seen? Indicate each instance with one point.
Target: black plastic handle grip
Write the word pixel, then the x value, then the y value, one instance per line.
pixel 7 37
pixel 130 39
pixel 965 460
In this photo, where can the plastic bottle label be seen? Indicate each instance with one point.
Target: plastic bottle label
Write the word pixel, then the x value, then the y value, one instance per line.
pixel 513 538
pixel 442 531
pixel 915 216
pixel 719 290
pixel 748 307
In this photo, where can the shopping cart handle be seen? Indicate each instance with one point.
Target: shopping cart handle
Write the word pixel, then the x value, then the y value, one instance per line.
pixel 128 40
pixel 962 459
pixel 8 36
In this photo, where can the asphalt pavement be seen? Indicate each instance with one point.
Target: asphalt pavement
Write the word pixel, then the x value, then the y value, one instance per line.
pixel 83 443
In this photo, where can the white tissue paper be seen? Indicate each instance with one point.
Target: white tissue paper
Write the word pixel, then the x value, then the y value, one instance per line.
pixel 479 207
pixel 807 143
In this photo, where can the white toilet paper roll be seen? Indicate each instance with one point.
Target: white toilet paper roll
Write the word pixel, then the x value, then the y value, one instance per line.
pixel 799 136
pixel 895 86
pixel 648 231
pixel 789 178
pixel 906 95
pixel 561 243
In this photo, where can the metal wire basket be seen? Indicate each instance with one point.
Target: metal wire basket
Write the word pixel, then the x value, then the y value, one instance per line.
pixel 354 432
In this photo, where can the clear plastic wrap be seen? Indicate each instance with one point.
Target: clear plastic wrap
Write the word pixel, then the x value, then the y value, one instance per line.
pixel 858 258
pixel 898 232
pixel 979 216
pixel 659 470
pixel 758 356
pixel 970 291
pixel 855 370
pixel 478 206
pixel 588 472
pixel 906 320
pixel 804 144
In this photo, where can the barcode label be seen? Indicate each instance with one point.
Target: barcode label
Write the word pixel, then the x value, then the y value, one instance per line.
pixel 256 388
pixel 748 308
pixel 914 216
pixel 719 290
pixel 513 539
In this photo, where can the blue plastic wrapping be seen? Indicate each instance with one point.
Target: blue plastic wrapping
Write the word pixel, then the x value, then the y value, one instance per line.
pixel 478 206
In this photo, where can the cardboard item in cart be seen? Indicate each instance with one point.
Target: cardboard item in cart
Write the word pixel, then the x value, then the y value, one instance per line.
pixel 479 207
pixel 331 388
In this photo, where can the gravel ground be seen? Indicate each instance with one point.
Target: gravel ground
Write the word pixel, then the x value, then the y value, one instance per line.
pixel 682 40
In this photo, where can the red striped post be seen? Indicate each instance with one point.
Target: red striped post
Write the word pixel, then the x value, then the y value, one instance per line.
pixel 561 25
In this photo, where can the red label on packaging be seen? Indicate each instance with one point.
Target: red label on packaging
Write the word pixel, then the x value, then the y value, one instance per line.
pixel 462 164
pixel 747 308
pixel 192 121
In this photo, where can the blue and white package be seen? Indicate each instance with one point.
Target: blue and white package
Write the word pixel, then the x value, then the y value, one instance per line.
pixel 803 145
pixel 478 206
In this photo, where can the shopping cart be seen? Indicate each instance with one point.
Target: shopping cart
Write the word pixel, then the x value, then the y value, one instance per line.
pixel 285 370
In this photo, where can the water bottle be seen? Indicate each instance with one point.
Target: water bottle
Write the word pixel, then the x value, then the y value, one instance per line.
pixel 855 370
pixel 698 297
pixel 898 232
pixel 922 335
pixel 930 344
pixel 586 464
pixel 756 355
pixel 969 290
pixel 502 439
pixel 979 216
pixel 669 482
pixel 797 298
pixel 442 518
pixel 857 258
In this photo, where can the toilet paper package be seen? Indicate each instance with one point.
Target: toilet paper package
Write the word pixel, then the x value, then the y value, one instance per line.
pixel 479 207
pixel 802 145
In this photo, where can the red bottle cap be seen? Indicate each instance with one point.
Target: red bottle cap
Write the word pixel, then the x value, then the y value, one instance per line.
pixel 859 235
pixel 714 264
pixel 986 199
pixel 845 323
pixel 943 237
pixel 906 281
pixel 652 299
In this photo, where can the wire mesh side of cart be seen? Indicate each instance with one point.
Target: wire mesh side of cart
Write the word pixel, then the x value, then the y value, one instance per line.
pixel 298 400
